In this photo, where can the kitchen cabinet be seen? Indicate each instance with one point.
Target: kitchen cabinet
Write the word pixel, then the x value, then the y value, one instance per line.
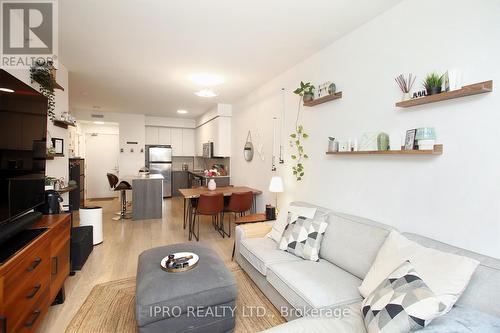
pixel 176 142
pixel 152 135
pixel 182 140
pixel 218 131
pixel 187 142
pixel 179 180
pixel 164 136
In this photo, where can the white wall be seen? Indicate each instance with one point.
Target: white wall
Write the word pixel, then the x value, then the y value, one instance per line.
pixel 454 197
pixel 170 122
pixel 58 167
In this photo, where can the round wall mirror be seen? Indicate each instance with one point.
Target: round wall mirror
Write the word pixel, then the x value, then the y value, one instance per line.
pixel 248 151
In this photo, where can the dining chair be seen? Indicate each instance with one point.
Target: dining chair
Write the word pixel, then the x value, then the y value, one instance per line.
pixel 123 186
pixel 239 204
pixel 208 205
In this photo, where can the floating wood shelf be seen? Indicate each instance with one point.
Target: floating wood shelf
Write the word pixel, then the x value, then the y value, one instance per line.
pixel 438 150
pixel 58 86
pixel 66 189
pixel 472 89
pixel 324 99
pixel 62 123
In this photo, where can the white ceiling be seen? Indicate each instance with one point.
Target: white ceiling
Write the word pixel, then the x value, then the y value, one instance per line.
pixel 136 56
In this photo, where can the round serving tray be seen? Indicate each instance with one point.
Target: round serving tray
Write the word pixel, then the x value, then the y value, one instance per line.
pixel 192 263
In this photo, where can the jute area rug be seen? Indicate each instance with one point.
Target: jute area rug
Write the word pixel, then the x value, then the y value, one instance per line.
pixel 109 308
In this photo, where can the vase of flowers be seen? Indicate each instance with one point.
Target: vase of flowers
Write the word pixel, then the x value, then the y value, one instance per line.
pixel 211 183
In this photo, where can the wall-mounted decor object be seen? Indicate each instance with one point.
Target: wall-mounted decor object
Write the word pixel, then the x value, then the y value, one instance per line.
pixel 405 84
pixel 433 83
pixel 410 139
pixel 469 90
pixel 426 138
pixel 282 127
pixel 438 150
pixel 273 159
pixel 298 135
pixel 368 141
pixel 58 145
pixel 248 149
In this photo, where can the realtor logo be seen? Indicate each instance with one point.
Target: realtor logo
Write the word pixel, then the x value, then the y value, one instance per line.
pixel 29 32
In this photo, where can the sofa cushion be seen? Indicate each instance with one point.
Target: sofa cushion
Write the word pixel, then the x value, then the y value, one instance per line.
pixel 446 274
pixel 284 218
pixel 303 238
pixel 313 284
pixel 352 322
pixel 262 252
pixel 352 242
pixel 401 303
pixel 463 320
pixel 483 290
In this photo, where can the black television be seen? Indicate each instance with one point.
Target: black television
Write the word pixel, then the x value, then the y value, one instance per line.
pixel 23 133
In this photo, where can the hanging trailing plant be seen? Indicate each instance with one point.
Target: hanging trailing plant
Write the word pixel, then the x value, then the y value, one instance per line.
pixel 297 137
pixel 42 74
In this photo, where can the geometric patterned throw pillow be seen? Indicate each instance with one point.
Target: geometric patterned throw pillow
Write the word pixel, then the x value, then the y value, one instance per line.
pixel 303 236
pixel 401 303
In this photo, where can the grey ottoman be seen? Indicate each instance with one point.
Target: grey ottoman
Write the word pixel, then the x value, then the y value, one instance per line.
pixel 200 300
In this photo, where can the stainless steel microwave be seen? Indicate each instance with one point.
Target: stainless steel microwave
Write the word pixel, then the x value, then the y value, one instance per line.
pixel 208 150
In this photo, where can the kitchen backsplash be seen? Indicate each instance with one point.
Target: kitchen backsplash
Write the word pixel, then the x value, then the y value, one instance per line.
pixel 177 162
pixel 198 163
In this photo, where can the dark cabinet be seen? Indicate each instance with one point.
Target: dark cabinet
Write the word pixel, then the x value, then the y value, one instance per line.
pixel 179 180
pixel 77 173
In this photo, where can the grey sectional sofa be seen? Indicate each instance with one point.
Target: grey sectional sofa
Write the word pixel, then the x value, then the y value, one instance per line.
pixel 308 291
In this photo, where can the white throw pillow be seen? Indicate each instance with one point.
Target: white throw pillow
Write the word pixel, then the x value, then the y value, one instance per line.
pixel 446 274
pixel 282 221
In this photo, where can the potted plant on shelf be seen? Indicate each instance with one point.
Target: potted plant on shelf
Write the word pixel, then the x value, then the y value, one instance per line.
pixel 306 90
pixel 51 152
pixel 433 83
pixel 43 73
pixel 49 182
pixel 299 134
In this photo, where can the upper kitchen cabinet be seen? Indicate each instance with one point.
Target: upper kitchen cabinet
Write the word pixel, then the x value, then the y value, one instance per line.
pixel 177 142
pixel 218 131
pixel 188 142
pixel 164 136
pixel 152 135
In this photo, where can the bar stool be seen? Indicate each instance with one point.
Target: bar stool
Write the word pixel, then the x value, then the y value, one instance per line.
pixel 208 205
pixel 239 203
pixel 122 186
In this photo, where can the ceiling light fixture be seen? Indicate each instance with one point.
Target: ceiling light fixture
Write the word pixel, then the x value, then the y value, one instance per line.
pixel 207 79
pixel 99 122
pixel 6 90
pixel 182 111
pixel 205 93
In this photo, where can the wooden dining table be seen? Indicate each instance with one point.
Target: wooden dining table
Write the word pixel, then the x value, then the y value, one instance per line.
pixel 193 193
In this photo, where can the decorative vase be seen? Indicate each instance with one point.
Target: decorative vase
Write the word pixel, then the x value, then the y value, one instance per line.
pixel 308 97
pixel 333 145
pixel 383 141
pixel 212 185
pixel 332 88
pixel 433 90
pixel 426 137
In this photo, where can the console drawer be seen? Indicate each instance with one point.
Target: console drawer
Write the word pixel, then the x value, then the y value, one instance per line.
pixel 61 235
pixel 32 265
pixel 32 317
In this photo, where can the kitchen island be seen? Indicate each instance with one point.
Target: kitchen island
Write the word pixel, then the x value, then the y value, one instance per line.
pixel 147 196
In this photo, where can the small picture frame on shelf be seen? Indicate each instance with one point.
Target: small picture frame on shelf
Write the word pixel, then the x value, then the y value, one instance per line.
pixel 410 139
pixel 58 145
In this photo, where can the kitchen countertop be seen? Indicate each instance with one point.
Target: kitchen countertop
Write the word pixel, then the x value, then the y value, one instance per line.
pixel 202 174
pixel 150 176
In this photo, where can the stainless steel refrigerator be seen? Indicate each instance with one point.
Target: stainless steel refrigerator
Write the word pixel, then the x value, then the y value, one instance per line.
pixel 159 160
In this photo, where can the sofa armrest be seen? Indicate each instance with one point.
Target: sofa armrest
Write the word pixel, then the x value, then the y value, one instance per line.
pixel 255 230
pixel 250 230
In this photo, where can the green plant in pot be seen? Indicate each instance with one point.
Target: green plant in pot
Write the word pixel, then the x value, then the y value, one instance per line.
pixel 51 151
pixel 306 90
pixel 42 73
pixel 433 83
pixel 297 137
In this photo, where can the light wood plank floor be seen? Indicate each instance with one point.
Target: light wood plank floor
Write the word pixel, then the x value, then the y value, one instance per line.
pixel 116 257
